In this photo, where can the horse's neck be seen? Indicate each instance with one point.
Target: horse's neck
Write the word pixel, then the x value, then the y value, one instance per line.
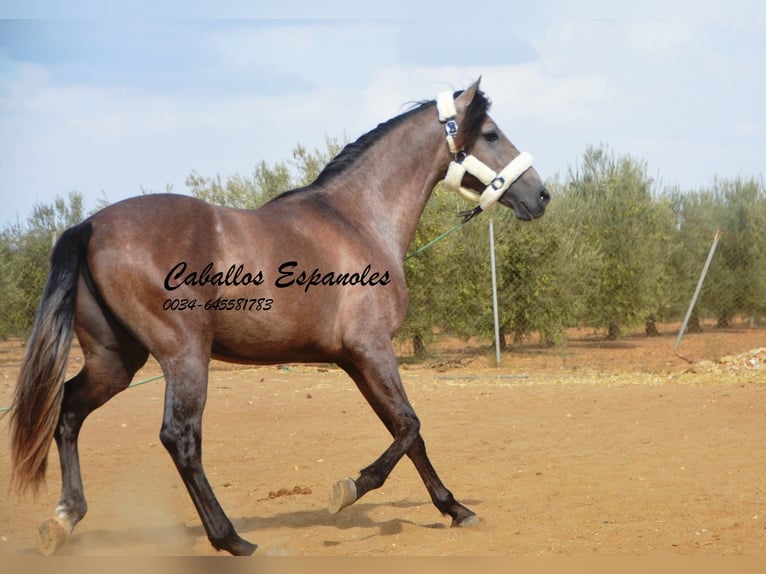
pixel 387 188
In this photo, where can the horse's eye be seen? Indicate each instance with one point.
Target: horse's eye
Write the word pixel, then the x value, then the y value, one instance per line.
pixel 491 136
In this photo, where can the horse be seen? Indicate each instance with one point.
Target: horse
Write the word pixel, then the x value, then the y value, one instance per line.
pixel 314 275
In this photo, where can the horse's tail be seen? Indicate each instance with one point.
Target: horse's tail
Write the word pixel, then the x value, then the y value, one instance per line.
pixel 40 388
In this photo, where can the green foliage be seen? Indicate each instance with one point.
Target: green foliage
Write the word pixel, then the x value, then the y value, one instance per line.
pixel 430 275
pixel 24 260
pixel 623 229
pixel 695 223
pixel 532 260
pixel 450 284
pixel 737 280
pixel 267 181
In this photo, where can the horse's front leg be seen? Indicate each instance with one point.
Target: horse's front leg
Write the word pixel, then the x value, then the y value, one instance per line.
pixel 388 400
pixel 376 375
pixel 440 495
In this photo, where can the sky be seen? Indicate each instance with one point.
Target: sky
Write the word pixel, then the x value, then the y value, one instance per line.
pixel 113 99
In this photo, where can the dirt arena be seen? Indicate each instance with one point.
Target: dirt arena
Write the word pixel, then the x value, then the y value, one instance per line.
pixel 593 448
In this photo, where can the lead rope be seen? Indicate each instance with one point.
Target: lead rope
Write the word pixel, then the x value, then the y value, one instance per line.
pixel 439 238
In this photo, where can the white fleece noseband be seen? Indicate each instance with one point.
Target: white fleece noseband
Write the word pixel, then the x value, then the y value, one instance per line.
pixel 497 183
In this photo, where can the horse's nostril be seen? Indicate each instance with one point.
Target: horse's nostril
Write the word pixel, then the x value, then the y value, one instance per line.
pixel 544 198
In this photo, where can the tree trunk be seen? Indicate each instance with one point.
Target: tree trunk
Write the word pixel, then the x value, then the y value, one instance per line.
pixel 418 346
pixel 651 327
pixel 503 343
pixel 724 320
pixel 614 332
pixel 694 324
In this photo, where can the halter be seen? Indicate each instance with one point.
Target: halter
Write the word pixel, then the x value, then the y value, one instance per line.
pixel 497 183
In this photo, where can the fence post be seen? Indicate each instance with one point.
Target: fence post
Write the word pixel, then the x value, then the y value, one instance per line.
pixel 494 291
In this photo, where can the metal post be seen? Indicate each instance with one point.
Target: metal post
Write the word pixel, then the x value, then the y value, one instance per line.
pixel 696 293
pixel 494 291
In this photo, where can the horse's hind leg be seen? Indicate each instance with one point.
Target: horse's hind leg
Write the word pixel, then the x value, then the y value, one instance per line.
pixel 181 435
pixel 111 359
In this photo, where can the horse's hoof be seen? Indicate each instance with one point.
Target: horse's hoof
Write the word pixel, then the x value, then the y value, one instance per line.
pixel 242 548
pixel 52 534
pixel 343 494
pixel 470 520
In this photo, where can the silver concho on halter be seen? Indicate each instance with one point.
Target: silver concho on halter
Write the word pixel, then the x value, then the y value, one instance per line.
pixel 497 183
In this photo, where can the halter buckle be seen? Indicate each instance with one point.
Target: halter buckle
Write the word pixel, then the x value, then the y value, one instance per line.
pixel 451 128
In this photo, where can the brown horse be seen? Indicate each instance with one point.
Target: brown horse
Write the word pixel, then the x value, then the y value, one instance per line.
pixel 314 275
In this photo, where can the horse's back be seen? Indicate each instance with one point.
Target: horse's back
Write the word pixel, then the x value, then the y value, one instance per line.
pixel 154 210
pixel 180 273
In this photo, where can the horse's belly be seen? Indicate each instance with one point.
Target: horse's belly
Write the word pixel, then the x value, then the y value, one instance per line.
pixel 261 332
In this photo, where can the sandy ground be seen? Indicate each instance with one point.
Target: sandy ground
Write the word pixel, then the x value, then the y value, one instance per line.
pixel 593 448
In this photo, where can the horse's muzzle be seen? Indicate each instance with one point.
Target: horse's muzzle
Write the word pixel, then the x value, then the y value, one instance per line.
pixel 527 204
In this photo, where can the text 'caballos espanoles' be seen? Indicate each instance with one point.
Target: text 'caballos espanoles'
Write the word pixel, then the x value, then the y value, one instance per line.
pixel 288 274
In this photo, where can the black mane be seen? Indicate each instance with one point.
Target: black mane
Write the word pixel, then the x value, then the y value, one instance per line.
pixel 351 152
pixel 469 131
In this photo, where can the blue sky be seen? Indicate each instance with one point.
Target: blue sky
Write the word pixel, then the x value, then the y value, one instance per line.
pixel 110 100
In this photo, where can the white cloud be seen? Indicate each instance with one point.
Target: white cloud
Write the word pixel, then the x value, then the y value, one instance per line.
pixel 659 37
pixel 749 129
pixel 319 53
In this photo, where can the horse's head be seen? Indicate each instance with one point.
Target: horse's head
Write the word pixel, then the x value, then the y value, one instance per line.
pixel 487 167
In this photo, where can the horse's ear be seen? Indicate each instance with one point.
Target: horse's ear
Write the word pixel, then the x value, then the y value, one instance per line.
pixel 464 100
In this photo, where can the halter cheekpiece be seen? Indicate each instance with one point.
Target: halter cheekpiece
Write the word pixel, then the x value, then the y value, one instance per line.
pixel 497 183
